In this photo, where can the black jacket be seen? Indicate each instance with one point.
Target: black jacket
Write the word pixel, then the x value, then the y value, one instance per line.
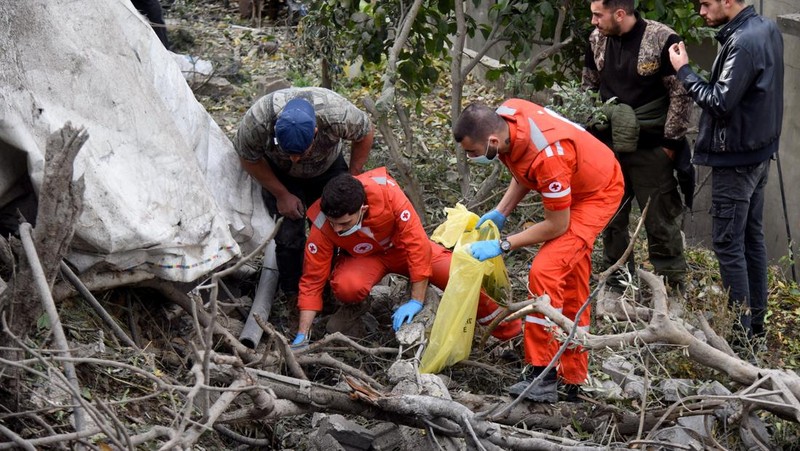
pixel 743 102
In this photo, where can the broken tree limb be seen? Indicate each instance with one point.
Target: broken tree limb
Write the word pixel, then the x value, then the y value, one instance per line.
pixel 49 306
pixel 100 280
pixel 60 200
pixel 664 330
pixel 89 297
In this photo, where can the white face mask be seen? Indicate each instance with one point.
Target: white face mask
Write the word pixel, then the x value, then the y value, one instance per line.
pixel 355 227
pixel 483 159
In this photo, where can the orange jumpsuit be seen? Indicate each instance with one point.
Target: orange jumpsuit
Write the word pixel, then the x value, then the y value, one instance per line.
pixel 570 169
pixel 391 240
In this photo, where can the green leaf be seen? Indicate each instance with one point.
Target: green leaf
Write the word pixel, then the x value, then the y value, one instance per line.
pixel 43 322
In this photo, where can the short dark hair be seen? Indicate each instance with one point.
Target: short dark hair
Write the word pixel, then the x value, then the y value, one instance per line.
pixel 342 195
pixel 625 5
pixel 477 121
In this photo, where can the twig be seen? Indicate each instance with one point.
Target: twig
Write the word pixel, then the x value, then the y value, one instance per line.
pixel 329 339
pixel 87 295
pixel 19 441
pixel 291 362
pixel 56 439
pixel 42 286
pixel 327 360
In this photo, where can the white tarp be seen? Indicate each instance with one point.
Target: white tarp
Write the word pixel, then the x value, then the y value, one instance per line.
pixel 164 189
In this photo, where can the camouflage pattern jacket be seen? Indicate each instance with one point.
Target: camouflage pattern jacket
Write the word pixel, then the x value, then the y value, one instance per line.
pixel 650 78
pixel 337 120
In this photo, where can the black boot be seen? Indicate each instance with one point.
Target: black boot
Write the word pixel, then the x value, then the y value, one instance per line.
pixel 546 390
pixel 570 392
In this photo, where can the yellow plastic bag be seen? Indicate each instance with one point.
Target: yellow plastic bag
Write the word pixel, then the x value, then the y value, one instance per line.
pixel 459 220
pixel 454 327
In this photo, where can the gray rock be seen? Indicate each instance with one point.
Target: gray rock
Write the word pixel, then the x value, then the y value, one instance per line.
pixel 387 437
pixel 349 435
pixel 678 435
pixel 432 385
pixel 406 387
pixel 618 368
pixel 714 388
pixel 214 87
pixel 675 389
pixel 633 387
pixel 611 390
pixel 401 370
pixel 265 85
pixel 697 423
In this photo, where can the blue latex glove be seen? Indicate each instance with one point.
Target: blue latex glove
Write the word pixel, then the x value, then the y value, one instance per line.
pixel 495 216
pixel 300 342
pixel 405 313
pixel 484 250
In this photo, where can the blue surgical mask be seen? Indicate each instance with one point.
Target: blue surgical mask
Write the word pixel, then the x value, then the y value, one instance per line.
pixel 355 227
pixel 483 159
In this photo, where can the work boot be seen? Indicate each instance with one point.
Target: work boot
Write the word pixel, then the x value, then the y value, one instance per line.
pixel 348 321
pixel 570 392
pixel 546 390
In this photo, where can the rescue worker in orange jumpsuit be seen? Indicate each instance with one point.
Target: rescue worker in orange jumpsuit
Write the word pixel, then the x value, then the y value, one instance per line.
pixel 581 185
pixel 374 226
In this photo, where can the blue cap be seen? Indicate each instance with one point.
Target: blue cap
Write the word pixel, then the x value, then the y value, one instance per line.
pixel 294 129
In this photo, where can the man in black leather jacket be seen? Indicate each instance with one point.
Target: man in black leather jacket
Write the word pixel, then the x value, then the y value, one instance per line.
pixel 740 126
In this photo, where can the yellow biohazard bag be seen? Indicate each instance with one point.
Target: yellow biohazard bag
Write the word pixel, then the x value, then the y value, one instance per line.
pixel 459 220
pixel 453 328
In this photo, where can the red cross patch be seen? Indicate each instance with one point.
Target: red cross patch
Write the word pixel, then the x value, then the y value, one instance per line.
pixel 405 215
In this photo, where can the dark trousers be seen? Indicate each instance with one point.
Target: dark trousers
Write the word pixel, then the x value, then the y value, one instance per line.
pixel 649 174
pixel 152 10
pixel 291 238
pixel 737 210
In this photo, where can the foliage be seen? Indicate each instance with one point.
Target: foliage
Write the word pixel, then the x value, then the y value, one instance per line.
pixel 583 107
pixel 681 16
pixel 355 35
pixel 352 35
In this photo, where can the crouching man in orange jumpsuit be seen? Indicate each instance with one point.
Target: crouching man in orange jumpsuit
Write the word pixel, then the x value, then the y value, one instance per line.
pixel 581 185
pixel 374 226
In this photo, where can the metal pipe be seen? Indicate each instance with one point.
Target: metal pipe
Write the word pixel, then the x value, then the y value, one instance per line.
pixel 262 300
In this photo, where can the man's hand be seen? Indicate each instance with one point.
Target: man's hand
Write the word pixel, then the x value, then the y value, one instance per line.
pixel 678 56
pixel 495 216
pixel 406 313
pixel 300 342
pixel 291 206
pixel 484 250
pixel 670 153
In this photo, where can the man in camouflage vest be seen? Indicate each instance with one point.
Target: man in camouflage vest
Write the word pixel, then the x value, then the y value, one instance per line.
pixel 629 59
pixel 291 142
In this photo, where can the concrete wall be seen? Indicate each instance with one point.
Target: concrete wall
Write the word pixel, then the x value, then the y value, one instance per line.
pixel 698 225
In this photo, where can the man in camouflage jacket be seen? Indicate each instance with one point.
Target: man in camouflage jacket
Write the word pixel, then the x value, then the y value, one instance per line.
pixel 628 59
pixel 291 142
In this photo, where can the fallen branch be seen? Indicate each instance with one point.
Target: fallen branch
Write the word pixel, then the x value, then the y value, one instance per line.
pixel 89 297
pixel 40 282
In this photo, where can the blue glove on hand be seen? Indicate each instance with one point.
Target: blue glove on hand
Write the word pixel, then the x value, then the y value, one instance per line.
pixel 405 313
pixel 495 216
pixel 299 342
pixel 484 250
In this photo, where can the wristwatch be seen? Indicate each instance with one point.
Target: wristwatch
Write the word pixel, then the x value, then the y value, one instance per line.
pixel 505 245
